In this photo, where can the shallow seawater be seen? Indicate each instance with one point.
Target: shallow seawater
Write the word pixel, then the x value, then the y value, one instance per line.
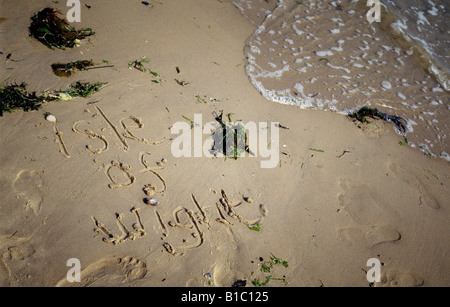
pixel 327 55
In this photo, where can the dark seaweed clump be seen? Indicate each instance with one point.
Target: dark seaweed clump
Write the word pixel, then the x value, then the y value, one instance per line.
pixel 55 32
pixel 230 138
pixel 364 112
pixel 16 96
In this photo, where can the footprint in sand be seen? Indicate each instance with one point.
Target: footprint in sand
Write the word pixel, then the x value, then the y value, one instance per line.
pixel 399 279
pixel 28 184
pixel 424 197
pixel 369 236
pixel 109 272
pixel 367 210
pixel 12 252
pixel 5 274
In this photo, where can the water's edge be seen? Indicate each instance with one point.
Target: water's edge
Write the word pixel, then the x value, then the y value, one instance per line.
pixel 300 47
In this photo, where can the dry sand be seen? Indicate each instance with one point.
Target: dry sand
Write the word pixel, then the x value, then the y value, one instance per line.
pixel 324 213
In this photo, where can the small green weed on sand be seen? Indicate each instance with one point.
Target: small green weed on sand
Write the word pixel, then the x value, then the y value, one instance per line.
pixel 266 267
pixel 83 89
pixel 257 227
pixel 139 64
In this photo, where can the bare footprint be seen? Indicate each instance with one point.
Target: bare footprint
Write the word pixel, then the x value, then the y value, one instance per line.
pixel 399 279
pixel 5 274
pixel 28 184
pixel 370 213
pixel 109 272
pixel 12 253
pixel 369 236
pixel 364 205
pixel 424 196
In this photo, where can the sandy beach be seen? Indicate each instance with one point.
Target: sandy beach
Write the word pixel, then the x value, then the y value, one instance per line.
pixel 341 193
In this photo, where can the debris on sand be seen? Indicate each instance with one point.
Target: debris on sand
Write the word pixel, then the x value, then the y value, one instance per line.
pixel 364 112
pixel 55 32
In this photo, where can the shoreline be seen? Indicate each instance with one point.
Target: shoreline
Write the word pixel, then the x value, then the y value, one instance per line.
pixel 324 212
pixel 292 66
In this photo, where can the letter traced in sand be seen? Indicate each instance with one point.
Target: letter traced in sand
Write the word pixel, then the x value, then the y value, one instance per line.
pixel 150 189
pixel 201 215
pixel 184 221
pixel 164 231
pixel 13 250
pixel 121 139
pixel 123 168
pixel 110 272
pixel 227 207
pixel 139 125
pixel 60 141
pixel 91 135
pixel 190 224
pixel 126 235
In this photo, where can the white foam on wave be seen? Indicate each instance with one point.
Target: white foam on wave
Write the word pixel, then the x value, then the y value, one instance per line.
pixel 445 156
pixel 291 52
pixel 338 67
